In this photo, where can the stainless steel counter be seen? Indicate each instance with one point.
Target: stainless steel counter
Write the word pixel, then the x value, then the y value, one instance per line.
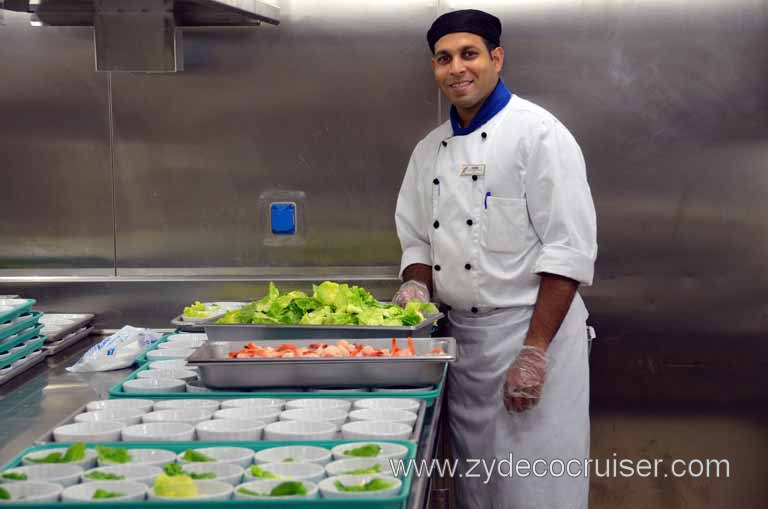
pixel 36 401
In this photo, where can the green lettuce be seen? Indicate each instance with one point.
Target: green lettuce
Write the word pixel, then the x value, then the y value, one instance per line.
pixel 113 454
pixel 193 456
pixel 365 451
pixel 4 495
pixel 74 452
pixel 374 484
pixel 100 493
pixel 373 469
pixel 330 304
pixel 257 471
pixel 103 476
pixel 284 489
pixel 15 476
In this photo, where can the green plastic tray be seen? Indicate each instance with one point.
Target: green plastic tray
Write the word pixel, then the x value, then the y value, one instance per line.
pixel 30 346
pixel 32 319
pixel 10 342
pixel 19 310
pixel 394 502
pixel 116 392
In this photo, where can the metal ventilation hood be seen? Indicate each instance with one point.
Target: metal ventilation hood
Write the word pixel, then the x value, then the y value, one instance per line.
pixel 144 35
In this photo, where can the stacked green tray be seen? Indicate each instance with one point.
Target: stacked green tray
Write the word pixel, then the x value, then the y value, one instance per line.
pixel 10 336
pixel 34 342
pixel 394 502
pixel 19 307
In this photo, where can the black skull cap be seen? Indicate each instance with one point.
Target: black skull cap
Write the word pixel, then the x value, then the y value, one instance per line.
pixel 466 20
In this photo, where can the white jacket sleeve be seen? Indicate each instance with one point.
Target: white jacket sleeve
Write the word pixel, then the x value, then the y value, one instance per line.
pixel 411 220
pixel 560 204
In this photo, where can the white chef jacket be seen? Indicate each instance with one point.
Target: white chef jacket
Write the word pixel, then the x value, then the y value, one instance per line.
pixel 491 209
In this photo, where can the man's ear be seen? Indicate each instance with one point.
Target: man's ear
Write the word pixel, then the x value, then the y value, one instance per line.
pixel 434 64
pixel 497 55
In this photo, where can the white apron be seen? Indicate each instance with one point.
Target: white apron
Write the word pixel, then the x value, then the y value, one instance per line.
pixel 480 427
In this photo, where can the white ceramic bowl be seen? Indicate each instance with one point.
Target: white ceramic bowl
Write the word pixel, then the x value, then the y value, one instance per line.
pixel 335 415
pixel 293 453
pixel 300 430
pixel 159 432
pixel 225 472
pixel 253 403
pixel 181 343
pixel 85 463
pixel 230 429
pixel 155 385
pixel 145 405
pixel 187 415
pixel 64 474
pixel 144 474
pixel 234 455
pixel 388 450
pixel 209 490
pixel 383 414
pixel 169 353
pixel 210 405
pixel 412 405
pixel 329 490
pixel 319 403
pixel 294 471
pixel 187 336
pixel 101 431
pixel 376 429
pixel 84 492
pixel 263 414
pixel 154 457
pixel 344 467
pixel 169 364
pixel 127 416
pixel 177 374
pixel 197 386
pixel 32 491
pixel 266 485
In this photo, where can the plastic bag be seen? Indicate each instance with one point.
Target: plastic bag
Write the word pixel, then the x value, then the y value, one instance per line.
pixel 116 351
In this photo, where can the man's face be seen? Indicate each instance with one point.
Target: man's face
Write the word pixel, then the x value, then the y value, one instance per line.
pixel 464 69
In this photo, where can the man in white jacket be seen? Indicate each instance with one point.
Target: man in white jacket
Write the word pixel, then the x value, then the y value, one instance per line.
pixel 495 217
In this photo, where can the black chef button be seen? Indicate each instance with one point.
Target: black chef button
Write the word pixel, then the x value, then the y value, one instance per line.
pixel 436 224
pixel 467 266
pixel 445 143
pixel 469 222
pixel 474 177
pixel 437 267
pixel 474 309
pixel 484 135
pixel 436 182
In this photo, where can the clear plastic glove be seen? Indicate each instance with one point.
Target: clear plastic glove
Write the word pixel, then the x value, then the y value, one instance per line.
pixel 411 290
pixel 525 379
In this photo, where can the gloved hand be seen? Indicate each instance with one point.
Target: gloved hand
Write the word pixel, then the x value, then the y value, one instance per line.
pixel 411 290
pixel 525 379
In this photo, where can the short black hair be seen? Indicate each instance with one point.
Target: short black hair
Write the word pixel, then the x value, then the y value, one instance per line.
pixel 490 45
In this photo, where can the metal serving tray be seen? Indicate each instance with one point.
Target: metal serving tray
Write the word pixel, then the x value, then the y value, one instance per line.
pixel 56 333
pixel 235 332
pixel 219 371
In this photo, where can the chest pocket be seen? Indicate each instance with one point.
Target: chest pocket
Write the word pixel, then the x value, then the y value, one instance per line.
pixel 505 224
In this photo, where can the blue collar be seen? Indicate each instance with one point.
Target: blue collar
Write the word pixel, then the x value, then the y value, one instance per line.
pixel 493 104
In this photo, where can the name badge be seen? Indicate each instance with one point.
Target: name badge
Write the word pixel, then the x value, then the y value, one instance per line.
pixel 470 170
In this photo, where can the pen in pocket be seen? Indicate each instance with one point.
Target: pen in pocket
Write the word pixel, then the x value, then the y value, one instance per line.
pixel 485 200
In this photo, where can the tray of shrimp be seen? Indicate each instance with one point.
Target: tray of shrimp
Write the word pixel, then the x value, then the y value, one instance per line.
pixel 378 362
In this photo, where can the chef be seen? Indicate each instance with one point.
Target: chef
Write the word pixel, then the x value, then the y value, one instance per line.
pixel 496 220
